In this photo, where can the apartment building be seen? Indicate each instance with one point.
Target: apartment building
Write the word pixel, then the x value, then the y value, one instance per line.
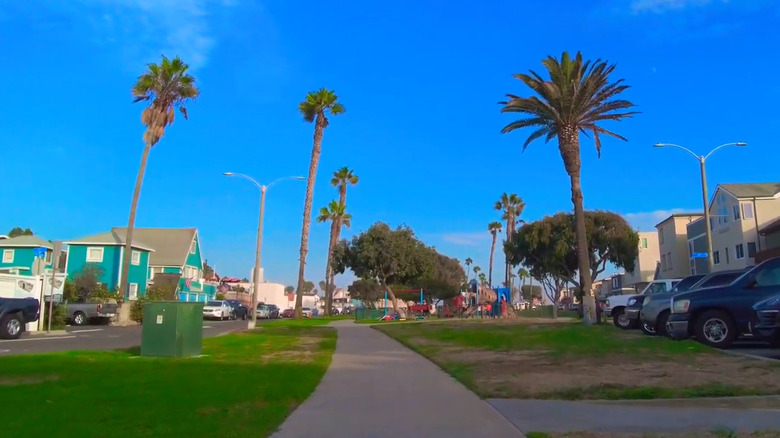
pixel 673 245
pixel 647 261
pixel 697 243
pixel 771 234
pixel 741 220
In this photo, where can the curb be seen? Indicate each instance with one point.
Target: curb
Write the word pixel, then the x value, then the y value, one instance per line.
pixel 44 333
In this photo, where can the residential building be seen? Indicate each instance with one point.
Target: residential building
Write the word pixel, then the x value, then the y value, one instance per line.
pixel 17 255
pixel 106 251
pixel 771 234
pixel 739 213
pixel 673 245
pixel 697 244
pixel 615 284
pixel 646 262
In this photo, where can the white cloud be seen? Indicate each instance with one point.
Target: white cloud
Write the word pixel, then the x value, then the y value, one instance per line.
pixel 646 221
pixel 468 239
pixel 661 6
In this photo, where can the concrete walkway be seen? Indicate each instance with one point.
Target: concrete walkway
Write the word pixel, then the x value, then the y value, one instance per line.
pixel 376 387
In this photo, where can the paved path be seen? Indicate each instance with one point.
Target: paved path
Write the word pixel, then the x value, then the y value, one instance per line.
pixel 544 416
pixel 376 387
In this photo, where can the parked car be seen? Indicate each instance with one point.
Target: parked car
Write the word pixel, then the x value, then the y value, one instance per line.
pixel 616 304
pixel 636 303
pixel 307 312
pixel 768 320
pixel 273 311
pixel 217 309
pixel 288 313
pixel 238 309
pixel 263 311
pixel 655 309
pixel 717 316
pixel 83 313
pixel 15 313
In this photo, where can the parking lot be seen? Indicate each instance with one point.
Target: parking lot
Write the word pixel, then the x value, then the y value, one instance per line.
pixel 100 337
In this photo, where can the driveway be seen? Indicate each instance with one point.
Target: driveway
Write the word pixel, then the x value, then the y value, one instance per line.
pixel 99 338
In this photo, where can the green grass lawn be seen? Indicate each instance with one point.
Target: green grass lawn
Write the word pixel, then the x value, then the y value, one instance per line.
pixel 523 359
pixel 245 385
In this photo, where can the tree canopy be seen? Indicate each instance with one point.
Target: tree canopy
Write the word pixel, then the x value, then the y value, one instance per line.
pixel 18 231
pixel 548 246
pixel 367 291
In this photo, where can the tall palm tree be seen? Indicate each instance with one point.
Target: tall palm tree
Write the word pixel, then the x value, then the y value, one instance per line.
pixel 482 279
pixel 468 262
pixel 494 228
pixel 337 214
pixel 523 274
pixel 511 207
pixel 314 109
pixel 341 179
pixel 576 98
pixel 165 86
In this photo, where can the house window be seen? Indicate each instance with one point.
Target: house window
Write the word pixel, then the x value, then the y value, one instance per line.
pixel 735 209
pixel 669 260
pixel 661 236
pixel 663 262
pixel 136 258
pixel 716 257
pixel 133 291
pixel 751 249
pixel 48 256
pixel 644 242
pixel 726 251
pixel 712 224
pixel 739 251
pixel 192 247
pixel 747 211
pixel 8 256
pixel 94 255
pixel 615 283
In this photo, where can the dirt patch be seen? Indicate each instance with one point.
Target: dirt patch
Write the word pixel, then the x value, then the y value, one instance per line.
pixel 535 374
pixel 303 352
pixel 27 380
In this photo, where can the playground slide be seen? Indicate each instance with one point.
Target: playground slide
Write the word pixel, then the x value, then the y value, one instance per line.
pixel 469 312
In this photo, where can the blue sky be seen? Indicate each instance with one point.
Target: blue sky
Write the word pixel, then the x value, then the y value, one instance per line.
pixel 420 80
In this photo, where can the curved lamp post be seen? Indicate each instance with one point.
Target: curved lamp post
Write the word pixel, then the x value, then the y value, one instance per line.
pixel 705 199
pixel 263 188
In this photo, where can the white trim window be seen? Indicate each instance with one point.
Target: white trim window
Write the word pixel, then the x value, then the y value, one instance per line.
pixel 192 247
pixel 747 211
pixel 135 258
pixel 8 256
pixel 132 291
pixel 94 254
pixel 716 257
pixel 735 210
pixel 739 251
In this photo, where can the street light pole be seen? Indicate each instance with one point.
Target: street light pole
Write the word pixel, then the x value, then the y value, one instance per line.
pixel 258 250
pixel 702 159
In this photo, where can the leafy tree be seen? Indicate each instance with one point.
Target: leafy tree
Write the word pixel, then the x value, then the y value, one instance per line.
pixel 219 296
pixel 387 256
pixel 336 213
pixel 245 280
pixel 494 228
pixel 208 271
pixel 308 288
pixel 165 86
pixel 315 109
pixel 529 292
pixel 444 281
pixel 18 231
pixel 512 207
pixel 369 292
pixel 576 98
pixel 84 284
pixel 289 289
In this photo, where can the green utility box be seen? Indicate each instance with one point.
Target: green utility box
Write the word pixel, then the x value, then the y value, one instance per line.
pixel 172 329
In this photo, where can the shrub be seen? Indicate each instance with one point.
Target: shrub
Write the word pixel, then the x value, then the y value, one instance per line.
pixel 57 317
pixel 220 296
pixel 153 293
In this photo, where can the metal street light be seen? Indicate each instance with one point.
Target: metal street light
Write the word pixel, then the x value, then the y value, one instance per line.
pixel 253 322
pixel 705 199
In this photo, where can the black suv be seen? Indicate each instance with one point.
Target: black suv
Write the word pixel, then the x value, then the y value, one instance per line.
pixel 239 309
pixel 717 316
pixel 768 320
pixel 14 314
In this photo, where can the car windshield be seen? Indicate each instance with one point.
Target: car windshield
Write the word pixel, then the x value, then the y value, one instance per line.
pixel 686 283
pixel 655 288
pixel 214 304
pixel 262 307
pixel 720 280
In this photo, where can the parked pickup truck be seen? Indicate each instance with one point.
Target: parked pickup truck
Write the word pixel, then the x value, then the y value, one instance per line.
pixel 82 313
pixel 15 313
pixel 719 315
pixel 616 305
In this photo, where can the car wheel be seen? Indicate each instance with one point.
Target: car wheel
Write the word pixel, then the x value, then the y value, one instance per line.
pixel 648 329
pixel 660 324
pixel 620 320
pixel 79 318
pixel 11 326
pixel 716 329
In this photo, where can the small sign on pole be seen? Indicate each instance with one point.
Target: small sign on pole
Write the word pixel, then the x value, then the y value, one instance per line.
pixel 699 255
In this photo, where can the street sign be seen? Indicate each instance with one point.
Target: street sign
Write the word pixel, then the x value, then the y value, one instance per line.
pixel 40 252
pixel 699 255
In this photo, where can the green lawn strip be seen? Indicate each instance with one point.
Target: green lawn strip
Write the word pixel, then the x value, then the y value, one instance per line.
pixel 245 385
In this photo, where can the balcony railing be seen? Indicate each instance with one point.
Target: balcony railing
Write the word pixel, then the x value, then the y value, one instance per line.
pixel 767 254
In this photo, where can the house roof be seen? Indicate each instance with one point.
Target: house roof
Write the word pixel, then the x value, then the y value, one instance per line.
pixel 752 190
pixel 25 242
pixel 109 238
pixel 771 227
pixel 172 245
pixel 688 215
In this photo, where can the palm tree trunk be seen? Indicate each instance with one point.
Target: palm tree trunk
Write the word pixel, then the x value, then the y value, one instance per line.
pixel 329 270
pixel 507 269
pixel 490 267
pixel 319 129
pixel 128 252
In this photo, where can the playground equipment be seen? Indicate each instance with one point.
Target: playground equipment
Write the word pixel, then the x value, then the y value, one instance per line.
pixel 409 308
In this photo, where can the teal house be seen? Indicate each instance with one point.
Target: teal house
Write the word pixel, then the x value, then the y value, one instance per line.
pixel 106 251
pixel 17 255
pixel 177 252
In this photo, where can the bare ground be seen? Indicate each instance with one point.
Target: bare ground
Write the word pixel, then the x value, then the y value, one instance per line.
pixel 304 351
